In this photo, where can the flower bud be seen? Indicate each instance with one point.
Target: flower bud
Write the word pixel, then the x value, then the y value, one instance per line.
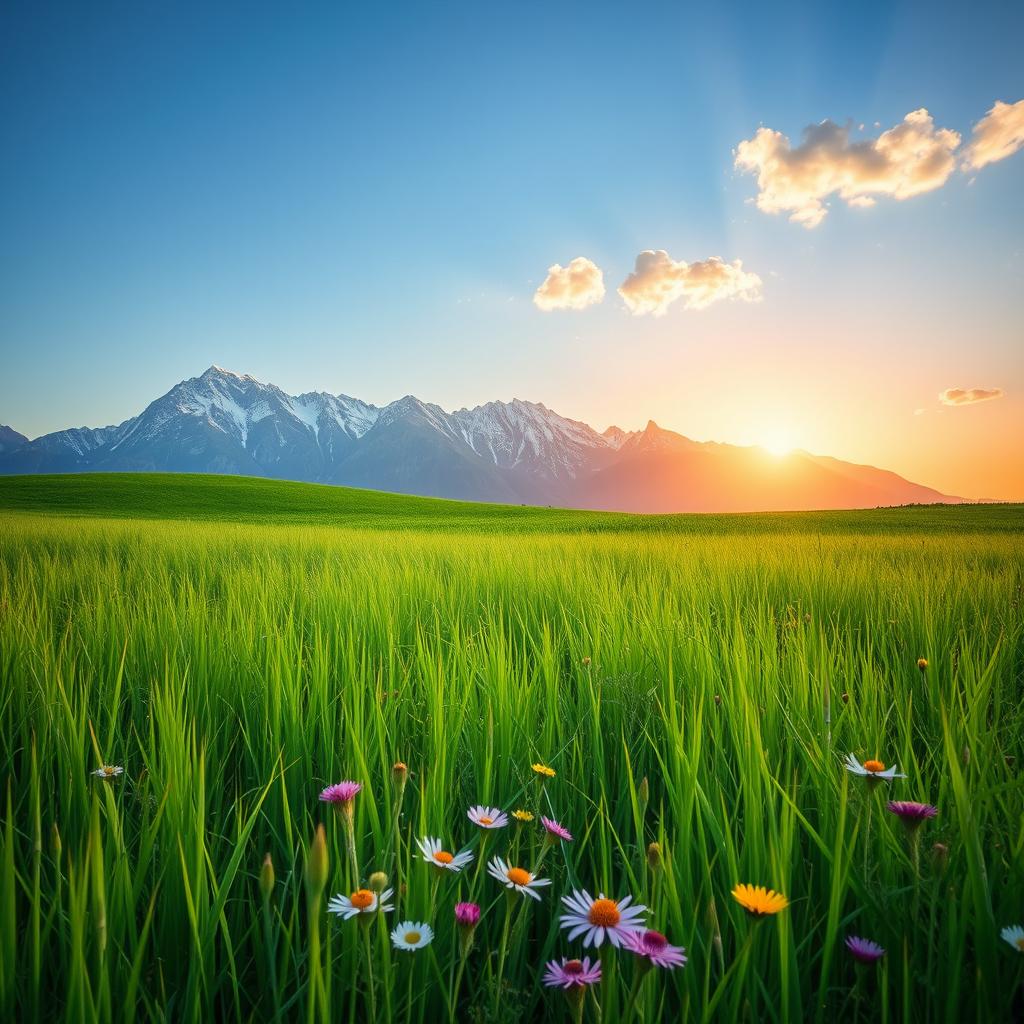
pixel 718 700
pixel 845 697
pixel 317 864
pixel 267 877
pixel 586 661
pixel 399 771
pixel 654 856
pixel 378 882
pixel 940 858
pixel 922 664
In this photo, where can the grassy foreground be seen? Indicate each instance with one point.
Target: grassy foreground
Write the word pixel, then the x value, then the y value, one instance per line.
pixel 694 682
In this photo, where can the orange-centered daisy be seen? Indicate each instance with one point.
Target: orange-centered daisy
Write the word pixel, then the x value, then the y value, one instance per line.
pixel 361 899
pixel 758 901
pixel 438 857
pixel 517 876
pixel 443 857
pixel 874 766
pixel 604 913
pixel 518 879
pixel 601 918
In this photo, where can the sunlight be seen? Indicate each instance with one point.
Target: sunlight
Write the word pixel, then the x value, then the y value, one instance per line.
pixel 777 442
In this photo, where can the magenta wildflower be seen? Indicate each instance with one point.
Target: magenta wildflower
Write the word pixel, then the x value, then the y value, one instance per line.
pixel 341 793
pixel 864 950
pixel 572 973
pixel 555 830
pixel 467 915
pixel 912 814
pixel 653 946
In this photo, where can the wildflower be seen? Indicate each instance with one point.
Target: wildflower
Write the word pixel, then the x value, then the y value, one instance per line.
pixel 519 879
pixel 572 973
pixel 555 830
pixel 362 901
pixel 758 901
pixel 873 770
pixel 922 664
pixel 467 915
pixel 267 877
pixel 412 935
pixel 341 795
pixel 377 882
pixel 487 817
pixel 436 856
pixel 602 918
pixel 544 771
pixel 522 816
pixel 108 772
pixel 655 948
pixel 1014 935
pixel 912 814
pixel 864 950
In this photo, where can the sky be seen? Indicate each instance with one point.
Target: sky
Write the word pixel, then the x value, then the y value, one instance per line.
pixel 367 199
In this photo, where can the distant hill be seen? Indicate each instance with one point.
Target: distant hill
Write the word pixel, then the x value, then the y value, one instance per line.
pixel 515 452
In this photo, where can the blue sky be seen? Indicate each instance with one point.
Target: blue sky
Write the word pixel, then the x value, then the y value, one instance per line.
pixel 365 201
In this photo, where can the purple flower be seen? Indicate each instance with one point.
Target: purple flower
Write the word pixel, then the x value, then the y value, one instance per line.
pixel 555 830
pixel 341 793
pixel 912 814
pixel 654 947
pixel 572 973
pixel 467 915
pixel 864 950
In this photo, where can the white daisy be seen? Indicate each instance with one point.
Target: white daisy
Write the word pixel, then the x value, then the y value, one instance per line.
pixel 602 918
pixel 412 935
pixel 434 854
pixel 487 817
pixel 516 878
pixel 1014 935
pixel 873 769
pixel 362 901
pixel 108 772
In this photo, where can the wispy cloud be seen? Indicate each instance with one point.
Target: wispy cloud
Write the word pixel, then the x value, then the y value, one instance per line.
pixel 658 280
pixel 999 134
pixel 969 396
pixel 576 286
pixel 908 159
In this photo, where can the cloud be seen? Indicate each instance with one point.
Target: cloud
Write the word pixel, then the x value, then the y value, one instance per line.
pixel 576 286
pixel 908 159
pixel 969 396
pixel 658 280
pixel 999 134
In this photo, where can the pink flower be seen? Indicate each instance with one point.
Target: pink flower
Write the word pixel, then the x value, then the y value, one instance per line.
pixel 467 915
pixel 912 814
pixel 572 973
pixel 341 793
pixel 864 950
pixel 555 830
pixel 654 947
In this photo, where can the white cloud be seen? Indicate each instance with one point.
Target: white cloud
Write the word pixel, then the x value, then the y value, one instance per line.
pixel 999 134
pixel 658 280
pixel 908 159
pixel 969 396
pixel 576 286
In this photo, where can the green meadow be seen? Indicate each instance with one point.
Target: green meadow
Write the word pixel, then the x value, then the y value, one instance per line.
pixel 695 682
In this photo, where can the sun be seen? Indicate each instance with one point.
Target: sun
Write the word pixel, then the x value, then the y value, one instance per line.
pixel 777 442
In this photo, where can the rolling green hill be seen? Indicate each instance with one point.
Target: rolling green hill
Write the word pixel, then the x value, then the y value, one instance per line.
pixel 211 498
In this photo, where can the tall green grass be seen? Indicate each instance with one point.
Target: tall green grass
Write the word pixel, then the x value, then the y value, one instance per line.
pixel 234 670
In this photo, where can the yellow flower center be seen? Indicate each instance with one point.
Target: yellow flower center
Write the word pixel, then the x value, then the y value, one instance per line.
pixel 484 820
pixel 874 766
pixel 604 913
pixel 412 938
pixel 522 815
pixel 361 899
pixel 108 769
pixel 517 876
pixel 443 857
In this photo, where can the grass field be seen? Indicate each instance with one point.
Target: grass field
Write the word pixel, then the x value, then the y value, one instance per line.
pixel 237 645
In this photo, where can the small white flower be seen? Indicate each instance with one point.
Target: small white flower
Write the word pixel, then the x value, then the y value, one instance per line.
pixel 516 878
pixel 487 817
pixel 602 918
pixel 434 854
pixel 108 771
pixel 412 935
pixel 873 769
pixel 362 901
pixel 1014 935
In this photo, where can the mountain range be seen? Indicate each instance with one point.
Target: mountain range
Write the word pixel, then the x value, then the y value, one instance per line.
pixel 516 452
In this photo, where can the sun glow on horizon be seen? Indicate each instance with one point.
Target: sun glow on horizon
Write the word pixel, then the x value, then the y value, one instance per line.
pixel 777 442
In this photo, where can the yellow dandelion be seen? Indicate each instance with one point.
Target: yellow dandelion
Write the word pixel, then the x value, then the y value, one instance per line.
pixel 758 901
pixel 522 815
pixel 543 770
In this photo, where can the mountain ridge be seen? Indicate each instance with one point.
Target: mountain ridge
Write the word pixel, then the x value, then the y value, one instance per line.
pixel 517 451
